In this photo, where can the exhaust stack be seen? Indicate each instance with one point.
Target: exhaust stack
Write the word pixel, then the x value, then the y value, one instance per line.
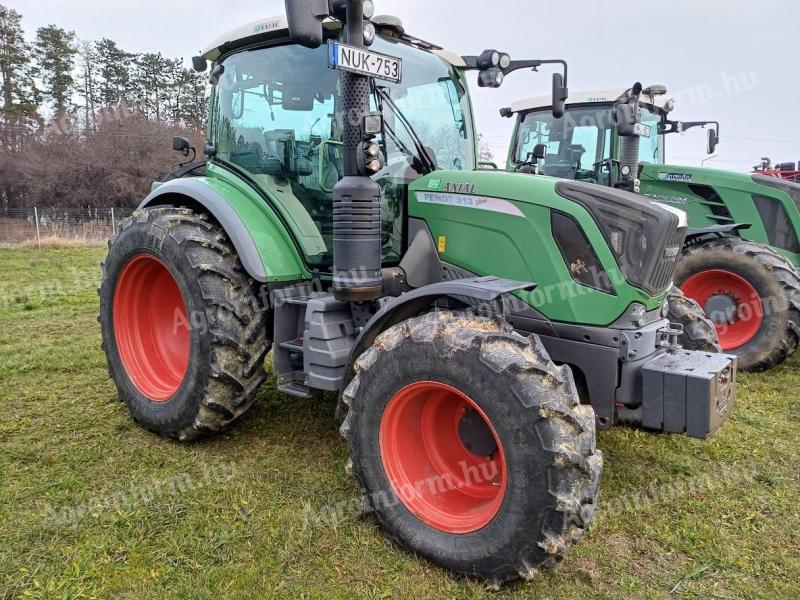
pixel 357 240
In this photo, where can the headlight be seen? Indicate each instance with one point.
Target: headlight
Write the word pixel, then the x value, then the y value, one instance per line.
pixel 369 33
pixel 793 189
pixel 490 78
pixel 488 59
pixel 638 315
pixel 582 262
pixel 369 9
pixel 642 236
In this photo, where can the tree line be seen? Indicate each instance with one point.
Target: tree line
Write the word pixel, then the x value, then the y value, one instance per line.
pixel 86 123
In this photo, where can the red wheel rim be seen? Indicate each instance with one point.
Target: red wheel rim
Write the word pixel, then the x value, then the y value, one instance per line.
pixel 436 477
pixel 151 328
pixel 722 288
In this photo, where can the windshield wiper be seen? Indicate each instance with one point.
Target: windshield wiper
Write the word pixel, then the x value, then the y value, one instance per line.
pixel 422 153
pixel 388 131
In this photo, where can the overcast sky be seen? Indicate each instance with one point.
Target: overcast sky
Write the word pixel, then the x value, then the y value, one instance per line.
pixel 736 61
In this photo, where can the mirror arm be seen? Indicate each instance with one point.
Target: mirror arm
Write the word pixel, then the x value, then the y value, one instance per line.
pixel 472 65
pixel 516 65
pixel 685 125
pixel 669 127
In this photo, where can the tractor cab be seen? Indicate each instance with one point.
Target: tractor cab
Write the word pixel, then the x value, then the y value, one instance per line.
pixel 588 142
pixel 277 120
pixel 585 144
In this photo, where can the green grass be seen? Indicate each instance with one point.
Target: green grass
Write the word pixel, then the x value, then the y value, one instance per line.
pixel 712 519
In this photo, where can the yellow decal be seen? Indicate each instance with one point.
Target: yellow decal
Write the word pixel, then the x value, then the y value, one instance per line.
pixel 442 243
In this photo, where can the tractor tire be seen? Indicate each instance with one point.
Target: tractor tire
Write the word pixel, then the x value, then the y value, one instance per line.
pixel 183 332
pixel 470 446
pixel 751 293
pixel 699 332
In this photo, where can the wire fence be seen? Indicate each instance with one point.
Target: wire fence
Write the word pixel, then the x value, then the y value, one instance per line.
pixel 40 227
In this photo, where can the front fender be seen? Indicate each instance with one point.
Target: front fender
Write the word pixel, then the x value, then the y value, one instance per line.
pixel 414 303
pixel 694 234
pixel 263 245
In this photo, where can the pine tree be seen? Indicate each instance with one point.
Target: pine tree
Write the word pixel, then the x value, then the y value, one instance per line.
pixel 170 96
pixel 19 94
pixel 88 77
pixel 149 83
pixel 194 107
pixel 54 52
pixel 115 66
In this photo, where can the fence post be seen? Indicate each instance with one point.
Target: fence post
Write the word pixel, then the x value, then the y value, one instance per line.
pixel 38 235
pixel 113 223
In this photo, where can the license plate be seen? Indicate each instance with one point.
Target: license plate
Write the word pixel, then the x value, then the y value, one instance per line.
pixel 642 130
pixel 364 62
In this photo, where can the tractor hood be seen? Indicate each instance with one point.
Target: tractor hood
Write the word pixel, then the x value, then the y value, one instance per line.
pixel 702 176
pixel 768 206
pixel 718 179
pixel 640 237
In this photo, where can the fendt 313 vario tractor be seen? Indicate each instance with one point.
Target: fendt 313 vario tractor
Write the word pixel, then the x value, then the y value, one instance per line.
pixel 741 252
pixel 477 325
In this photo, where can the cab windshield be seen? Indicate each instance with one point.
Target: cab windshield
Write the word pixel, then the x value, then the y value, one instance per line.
pixel 580 144
pixel 277 117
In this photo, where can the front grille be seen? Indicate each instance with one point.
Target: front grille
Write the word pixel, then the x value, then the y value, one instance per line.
pixel 664 269
pixel 644 237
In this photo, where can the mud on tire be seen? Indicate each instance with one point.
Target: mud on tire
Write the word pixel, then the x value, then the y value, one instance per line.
pixel 699 332
pixel 552 465
pixel 227 327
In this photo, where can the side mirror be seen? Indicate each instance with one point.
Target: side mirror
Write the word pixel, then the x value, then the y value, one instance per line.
pixel 305 21
pixel 182 145
pixel 539 151
pixel 713 141
pixel 560 95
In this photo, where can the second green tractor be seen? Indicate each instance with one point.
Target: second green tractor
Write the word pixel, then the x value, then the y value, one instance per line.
pixel 740 257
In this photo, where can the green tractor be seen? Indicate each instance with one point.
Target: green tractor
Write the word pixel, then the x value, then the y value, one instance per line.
pixel 478 326
pixel 741 252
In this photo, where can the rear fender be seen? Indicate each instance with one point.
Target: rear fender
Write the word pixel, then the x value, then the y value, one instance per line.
pixel 263 245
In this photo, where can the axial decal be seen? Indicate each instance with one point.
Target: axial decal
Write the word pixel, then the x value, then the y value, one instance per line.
pixel 460 188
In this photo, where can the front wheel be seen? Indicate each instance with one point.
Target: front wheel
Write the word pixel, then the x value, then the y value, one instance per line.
pixel 751 293
pixel 699 332
pixel 184 334
pixel 471 447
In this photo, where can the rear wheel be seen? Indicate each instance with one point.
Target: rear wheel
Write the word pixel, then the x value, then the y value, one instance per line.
pixel 752 295
pixel 470 446
pixel 183 331
pixel 699 332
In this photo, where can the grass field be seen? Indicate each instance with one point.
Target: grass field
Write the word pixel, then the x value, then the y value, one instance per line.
pixel 92 506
